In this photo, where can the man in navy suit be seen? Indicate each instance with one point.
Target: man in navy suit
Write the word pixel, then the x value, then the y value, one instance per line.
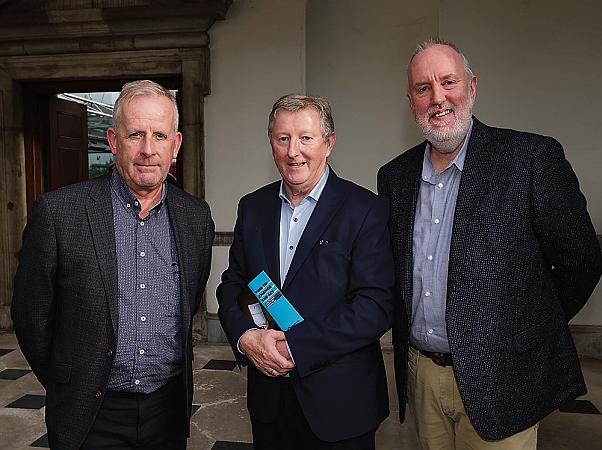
pixel 494 253
pixel 324 242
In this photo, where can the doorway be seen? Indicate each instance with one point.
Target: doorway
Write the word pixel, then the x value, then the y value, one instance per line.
pixel 65 132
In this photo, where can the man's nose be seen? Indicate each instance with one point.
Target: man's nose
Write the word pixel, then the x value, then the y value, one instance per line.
pixel 293 147
pixel 437 95
pixel 146 146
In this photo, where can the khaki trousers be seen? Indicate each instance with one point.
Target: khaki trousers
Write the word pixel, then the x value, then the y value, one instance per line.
pixel 439 415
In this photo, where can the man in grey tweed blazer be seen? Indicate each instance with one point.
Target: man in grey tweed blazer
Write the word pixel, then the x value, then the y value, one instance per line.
pixel 494 253
pixel 110 274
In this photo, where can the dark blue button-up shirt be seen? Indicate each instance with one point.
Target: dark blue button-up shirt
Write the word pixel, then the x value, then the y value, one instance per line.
pixel 149 335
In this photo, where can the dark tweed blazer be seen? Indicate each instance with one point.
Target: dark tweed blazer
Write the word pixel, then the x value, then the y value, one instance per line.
pixel 65 297
pixel 524 259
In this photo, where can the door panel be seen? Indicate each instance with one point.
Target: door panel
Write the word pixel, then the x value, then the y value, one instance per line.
pixel 68 146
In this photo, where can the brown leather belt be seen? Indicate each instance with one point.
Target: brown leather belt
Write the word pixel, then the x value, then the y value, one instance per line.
pixel 441 359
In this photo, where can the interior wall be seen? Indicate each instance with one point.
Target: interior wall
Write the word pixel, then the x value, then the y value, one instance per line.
pixel 257 55
pixel 356 58
pixel 539 64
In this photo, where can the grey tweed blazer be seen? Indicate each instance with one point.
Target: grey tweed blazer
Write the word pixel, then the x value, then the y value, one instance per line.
pixel 65 297
pixel 524 259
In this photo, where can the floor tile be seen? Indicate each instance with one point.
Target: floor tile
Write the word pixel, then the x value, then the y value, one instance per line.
pixel 4 351
pixel 226 445
pixel 13 374
pixel 29 402
pixel 42 442
pixel 580 407
pixel 220 364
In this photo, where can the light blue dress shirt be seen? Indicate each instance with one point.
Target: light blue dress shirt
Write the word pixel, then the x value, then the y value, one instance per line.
pixel 294 220
pixel 433 224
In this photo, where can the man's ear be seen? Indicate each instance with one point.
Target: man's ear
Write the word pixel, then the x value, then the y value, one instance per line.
pixel 112 138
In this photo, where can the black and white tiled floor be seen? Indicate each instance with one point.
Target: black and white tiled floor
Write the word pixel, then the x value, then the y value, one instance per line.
pixel 220 421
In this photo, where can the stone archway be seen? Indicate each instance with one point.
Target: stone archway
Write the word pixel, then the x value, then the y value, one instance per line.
pixel 137 39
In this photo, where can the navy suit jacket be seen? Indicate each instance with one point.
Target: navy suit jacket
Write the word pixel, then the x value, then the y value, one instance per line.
pixel 65 309
pixel 340 280
pixel 524 258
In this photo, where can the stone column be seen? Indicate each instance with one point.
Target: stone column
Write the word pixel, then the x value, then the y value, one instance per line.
pixel 13 208
pixel 195 82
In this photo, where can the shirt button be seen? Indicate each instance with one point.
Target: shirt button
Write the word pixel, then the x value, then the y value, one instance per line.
pixel 295 219
pixel 141 351
pixel 98 394
pixel 430 331
pixel 142 286
pixel 429 257
pixel 143 318
pixel 427 294
pixel 436 220
pixel 136 382
pixel 141 224
pixel 136 203
pixel 440 185
pixel 128 205
pixel 142 254
pixel 291 247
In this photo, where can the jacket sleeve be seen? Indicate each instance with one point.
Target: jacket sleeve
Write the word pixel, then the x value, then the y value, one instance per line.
pixel 206 258
pixel 563 227
pixel 34 302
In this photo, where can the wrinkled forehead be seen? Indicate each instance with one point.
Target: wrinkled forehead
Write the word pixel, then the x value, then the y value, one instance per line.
pixel 435 61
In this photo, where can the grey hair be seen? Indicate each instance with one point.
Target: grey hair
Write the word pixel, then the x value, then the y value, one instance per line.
pixel 297 102
pixel 142 87
pixel 431 42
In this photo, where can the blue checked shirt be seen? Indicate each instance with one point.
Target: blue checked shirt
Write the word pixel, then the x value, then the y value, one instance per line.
pixel 433 224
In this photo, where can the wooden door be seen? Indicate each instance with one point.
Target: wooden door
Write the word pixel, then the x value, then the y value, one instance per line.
pixel 67 157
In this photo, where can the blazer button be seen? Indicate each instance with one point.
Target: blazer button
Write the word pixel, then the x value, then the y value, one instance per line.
pixel 98 394
pixel 110 352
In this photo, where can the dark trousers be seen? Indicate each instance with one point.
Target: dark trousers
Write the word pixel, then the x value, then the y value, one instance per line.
pixel 291 431
pixel 141 421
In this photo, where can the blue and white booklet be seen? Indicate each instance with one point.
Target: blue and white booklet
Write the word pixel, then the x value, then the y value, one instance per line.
pixel 268 294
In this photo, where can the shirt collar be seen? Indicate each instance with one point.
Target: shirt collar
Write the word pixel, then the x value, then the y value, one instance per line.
pixel 427 168
pixel 314 194
pixel 127 197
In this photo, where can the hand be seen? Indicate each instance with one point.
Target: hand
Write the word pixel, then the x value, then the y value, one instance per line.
pixel 261 347
pixel 283 350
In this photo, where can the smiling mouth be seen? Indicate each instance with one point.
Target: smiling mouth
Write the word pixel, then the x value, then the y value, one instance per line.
pixel 443 113
pixel 300 164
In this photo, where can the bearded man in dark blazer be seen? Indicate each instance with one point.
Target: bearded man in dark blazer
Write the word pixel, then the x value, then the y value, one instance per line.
pixel 110 274
pixel 494 254
pixel 324 242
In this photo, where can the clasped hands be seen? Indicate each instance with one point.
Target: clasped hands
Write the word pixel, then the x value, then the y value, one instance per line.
pixel 267 350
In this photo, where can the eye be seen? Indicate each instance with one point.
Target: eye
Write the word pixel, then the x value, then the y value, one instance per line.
pixel 283 139
pixel 448 84
pixel 159 136
pixel 422 89
pixel 306 138
pixel 136 135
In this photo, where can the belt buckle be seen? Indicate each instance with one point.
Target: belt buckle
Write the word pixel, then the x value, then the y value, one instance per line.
pixel 439 359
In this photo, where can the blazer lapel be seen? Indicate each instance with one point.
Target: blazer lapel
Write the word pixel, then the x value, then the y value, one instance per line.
pixel 270 226
pixel 477 174
pixel 327 207
pixel 405 209
pixel 177 215
pixel 99 209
